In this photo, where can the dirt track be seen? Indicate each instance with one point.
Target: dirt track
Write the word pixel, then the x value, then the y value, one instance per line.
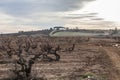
pixel 115 58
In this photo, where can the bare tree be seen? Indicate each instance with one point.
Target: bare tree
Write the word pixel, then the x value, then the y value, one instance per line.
pixel 71 48
pixel 24 62
pixel 48 49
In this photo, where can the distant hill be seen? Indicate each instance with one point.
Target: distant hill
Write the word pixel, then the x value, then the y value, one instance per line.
pixel 31 33
pixel 68 32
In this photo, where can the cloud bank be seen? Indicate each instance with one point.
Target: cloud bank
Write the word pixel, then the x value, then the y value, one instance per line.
pixel 18 15
pixel 27 7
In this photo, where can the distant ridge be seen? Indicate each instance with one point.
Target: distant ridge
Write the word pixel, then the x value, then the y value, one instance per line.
pixel 57 32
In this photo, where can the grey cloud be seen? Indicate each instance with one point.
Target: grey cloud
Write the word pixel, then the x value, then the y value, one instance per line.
pixel 90 14
pixel 22 7
pixel 97 19
pixel 100 23
pixel 78 17
pixel 82 16
pixel 92 23
pixel 34 10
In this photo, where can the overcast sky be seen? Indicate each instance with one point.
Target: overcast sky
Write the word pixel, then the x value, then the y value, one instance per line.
pixel 17 15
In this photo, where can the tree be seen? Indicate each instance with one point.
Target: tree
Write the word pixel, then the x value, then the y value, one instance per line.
pixel 21 48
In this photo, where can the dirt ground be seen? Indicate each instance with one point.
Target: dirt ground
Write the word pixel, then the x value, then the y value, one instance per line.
pixel 97 59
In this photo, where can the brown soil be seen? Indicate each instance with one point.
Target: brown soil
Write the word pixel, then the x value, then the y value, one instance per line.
pixel 101 61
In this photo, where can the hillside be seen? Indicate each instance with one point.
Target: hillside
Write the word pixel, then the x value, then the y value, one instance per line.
pixel 68 32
